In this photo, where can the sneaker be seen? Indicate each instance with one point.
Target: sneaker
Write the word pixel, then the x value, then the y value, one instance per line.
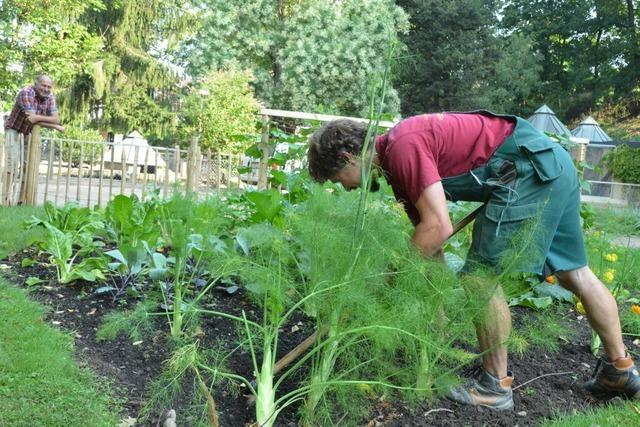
pixel 617 378
pixel 485 390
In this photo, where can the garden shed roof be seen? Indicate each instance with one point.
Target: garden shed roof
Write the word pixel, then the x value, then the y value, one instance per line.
pixel 591 130
pixel 545 119
pixel 127 150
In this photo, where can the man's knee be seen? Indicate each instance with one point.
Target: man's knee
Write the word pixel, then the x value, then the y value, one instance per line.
pixel 577 281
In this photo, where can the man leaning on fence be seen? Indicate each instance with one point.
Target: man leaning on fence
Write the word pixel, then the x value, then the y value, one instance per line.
pixel 35 105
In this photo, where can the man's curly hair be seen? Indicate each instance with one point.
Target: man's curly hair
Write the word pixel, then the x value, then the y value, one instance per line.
pixel 327 144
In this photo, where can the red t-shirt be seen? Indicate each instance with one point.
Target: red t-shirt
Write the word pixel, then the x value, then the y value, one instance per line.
pixel 421 150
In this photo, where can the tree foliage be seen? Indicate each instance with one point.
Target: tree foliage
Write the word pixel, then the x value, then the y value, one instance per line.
pixel 133 84
pixel 44 37
pixel 457 60
pixel 304 54
pixel 222 110
pixel 121 64
pixel 589 50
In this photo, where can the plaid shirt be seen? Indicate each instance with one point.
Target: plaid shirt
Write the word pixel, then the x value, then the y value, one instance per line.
pixel 29 101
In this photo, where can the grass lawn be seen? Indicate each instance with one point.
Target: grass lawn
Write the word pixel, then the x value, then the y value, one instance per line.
pixel 627 414
pixel 40 384
pixel 14 237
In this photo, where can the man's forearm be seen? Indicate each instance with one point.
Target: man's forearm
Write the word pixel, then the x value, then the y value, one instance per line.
pixel 51 126
pixel 41 120
pixel 428 239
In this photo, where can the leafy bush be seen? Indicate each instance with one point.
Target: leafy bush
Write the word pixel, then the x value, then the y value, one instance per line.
pixel 221 109
pixel 624 162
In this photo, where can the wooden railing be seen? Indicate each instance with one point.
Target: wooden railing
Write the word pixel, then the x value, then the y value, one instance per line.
pixel 92 172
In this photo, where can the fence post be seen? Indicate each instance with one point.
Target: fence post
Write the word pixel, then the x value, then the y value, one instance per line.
pixel 192 165
pixel 30 183
pixel 264 160
pixel 3 178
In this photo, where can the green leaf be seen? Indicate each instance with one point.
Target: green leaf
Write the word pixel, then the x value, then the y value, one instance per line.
pixel 242 242
pixel 31 281
pixel 530 301
pixel 58 244
pixel 554 291
pixel 278 177
pixel 117 255
pixel 27 262
pixel 253 152
pixel 268 204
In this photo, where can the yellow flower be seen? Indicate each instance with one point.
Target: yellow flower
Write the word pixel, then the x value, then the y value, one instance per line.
pixel 635 308
pixel 611 257
pixel 550 279
pixel 609 275
pixel 580 308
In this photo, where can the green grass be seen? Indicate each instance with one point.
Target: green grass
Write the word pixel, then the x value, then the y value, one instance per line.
pixel 40 384
pixel 617 221
pixel 627 414
pixel 14 237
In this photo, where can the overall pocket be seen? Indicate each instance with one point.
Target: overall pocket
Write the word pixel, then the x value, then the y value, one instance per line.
pixel 542 155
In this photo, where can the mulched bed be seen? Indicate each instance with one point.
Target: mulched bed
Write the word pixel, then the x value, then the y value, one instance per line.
pixel 131 368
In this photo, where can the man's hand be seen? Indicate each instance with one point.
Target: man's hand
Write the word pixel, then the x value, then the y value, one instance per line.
pixel 35 119
pixel 59 128
pixel 32 118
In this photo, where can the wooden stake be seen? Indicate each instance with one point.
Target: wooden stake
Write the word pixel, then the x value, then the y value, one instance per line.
pixel 50 145
pixel 101 172
pixel 69 161
pixel 80 169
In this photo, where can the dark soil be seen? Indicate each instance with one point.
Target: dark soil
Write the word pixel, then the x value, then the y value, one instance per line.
pixel 132 367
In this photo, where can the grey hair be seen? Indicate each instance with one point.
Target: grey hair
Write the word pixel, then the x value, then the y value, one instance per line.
pixel 39 77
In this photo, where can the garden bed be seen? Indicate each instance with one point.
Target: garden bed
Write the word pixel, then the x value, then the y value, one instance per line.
pixel 132 366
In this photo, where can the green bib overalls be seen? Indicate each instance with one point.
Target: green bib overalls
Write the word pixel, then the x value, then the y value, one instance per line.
pixel 531 217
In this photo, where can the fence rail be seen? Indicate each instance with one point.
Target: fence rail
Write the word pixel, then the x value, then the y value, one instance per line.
pixel 92 172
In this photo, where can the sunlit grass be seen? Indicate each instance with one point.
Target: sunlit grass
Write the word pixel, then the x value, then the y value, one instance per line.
pixel 40 385
pixel 14 237
pixel 627 414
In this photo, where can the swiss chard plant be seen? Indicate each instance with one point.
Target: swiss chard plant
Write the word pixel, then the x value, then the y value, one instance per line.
pixel 131 221
pixel 60 246
pixel 72 240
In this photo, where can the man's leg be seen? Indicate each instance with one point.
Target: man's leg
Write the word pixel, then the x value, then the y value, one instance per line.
pixel 493 329
pixel 601 308
pixel 492 386
pixel 616 374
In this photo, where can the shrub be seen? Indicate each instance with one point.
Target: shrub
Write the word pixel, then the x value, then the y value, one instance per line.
pixel 624 162
pixel 221 109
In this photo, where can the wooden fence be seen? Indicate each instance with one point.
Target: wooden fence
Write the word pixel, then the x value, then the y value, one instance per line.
pixel 90 173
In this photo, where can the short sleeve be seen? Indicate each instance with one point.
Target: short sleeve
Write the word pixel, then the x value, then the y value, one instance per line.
pixel 412 167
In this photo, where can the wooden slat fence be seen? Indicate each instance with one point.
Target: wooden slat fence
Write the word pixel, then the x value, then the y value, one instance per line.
pixel 90 173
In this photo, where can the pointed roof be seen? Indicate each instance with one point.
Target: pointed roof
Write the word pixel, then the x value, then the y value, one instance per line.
pixel 134 149
pixel 591 130
pixel 545 119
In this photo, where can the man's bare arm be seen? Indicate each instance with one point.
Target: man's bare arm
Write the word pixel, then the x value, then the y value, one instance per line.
pixel 59 128
pixel 435 226
pixel 37 119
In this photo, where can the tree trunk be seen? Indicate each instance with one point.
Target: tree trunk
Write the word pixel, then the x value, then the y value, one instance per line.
pixel 633 37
